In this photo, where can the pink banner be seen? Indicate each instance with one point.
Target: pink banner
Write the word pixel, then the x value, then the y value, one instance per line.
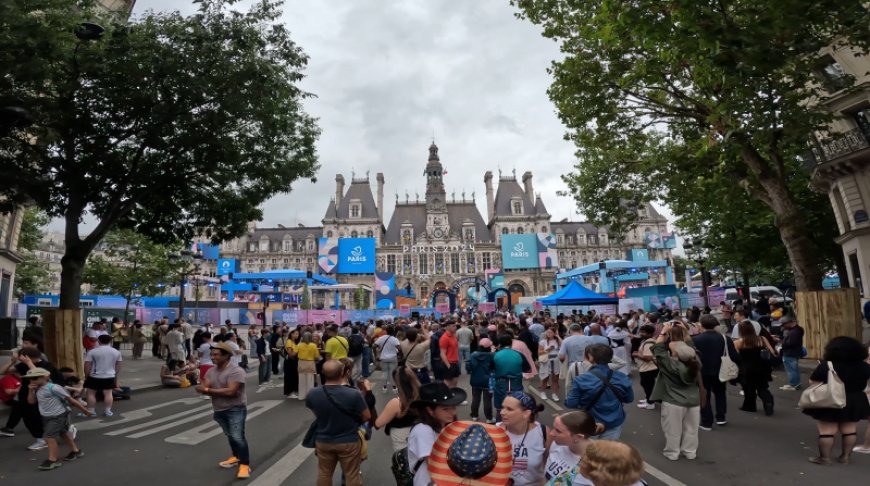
pixel 319 316
pixel 486 306
pixel 537 306
pixel 442 307
pixel 404 310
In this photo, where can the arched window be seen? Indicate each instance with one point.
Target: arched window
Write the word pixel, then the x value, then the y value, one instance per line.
pixel 354 234
pixel 370 234
pixel 504 231
pixel 329 234
pixel 520 230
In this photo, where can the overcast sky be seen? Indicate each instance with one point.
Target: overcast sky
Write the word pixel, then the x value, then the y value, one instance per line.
pixel 389 74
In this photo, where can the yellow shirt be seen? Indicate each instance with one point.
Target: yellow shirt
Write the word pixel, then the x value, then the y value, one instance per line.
pixel 336 347
pixel 290 346
pixel 307 352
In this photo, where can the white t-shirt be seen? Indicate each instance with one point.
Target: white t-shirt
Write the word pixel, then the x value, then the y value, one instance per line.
pixel 204 357
pixel 95 333
pixel 420 442
pixel 235 358
pixel 103 359
pixel 528 469
pixel 559 461
pixel 389 347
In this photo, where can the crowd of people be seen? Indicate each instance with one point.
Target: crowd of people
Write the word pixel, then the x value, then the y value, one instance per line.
pixel 683 366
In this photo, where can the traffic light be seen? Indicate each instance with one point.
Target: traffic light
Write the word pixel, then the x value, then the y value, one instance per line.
pixel 309 274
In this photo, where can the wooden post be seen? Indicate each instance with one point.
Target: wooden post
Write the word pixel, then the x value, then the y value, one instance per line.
pixel 826 314
pixel 63 338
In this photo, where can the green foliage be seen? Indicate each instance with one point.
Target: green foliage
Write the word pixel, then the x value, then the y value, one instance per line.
pixel 32 276
pixel 172 126
pixel 670 98
pixel 306 298
pixel 131 265
pixel 360 299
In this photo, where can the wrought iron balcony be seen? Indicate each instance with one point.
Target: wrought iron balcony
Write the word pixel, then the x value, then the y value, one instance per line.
pixel 843 144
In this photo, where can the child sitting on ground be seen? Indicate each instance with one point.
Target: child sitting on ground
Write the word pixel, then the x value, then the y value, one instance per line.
pixel 52 400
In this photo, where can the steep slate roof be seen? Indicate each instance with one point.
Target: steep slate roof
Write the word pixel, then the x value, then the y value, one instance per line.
pixel 540 209
pixel 571 227
pixel 507 189
pixel 415 213
pixel 330 210
pixel 278 234
pixel 359 189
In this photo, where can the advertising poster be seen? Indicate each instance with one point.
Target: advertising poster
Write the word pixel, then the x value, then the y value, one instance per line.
pixel 548 257
pixel 319 316
pixel 630 305
pixel 442 307
pixel 715 296
pixel 293 318
pixel 669 240
pixel 519 251
pixel 327 255
pixel 652 240
pixel 638 254
pixel 404 310
pixel 486 306
pixel 356 255
pixel 226 266
pixel 209 251
pixel 385 290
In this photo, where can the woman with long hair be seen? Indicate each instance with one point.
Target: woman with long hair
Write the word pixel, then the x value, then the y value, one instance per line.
pixel 307 354
pixel 528 437
pixel 549 365
pixel 677 387
pixel 849 358
pixel 397 417
pixel 436 408
pixel 291 365
pixel 568 440
pixel 755 367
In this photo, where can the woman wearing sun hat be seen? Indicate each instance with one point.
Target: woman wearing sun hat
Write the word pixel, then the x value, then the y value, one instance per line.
pixel 471 454
pixel 436 408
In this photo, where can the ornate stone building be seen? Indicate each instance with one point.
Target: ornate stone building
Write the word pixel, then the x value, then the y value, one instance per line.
pixel 433 242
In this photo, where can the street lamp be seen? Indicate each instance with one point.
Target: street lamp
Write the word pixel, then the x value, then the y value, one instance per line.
pixel 696 251
pixel 184 259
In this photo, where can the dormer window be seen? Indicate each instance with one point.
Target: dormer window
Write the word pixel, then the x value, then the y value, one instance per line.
pixel 354 210
pixel 516 206
pixel 264 244
pixel 288 244
pixel 252 247
pixel 469 234
pixel 406 237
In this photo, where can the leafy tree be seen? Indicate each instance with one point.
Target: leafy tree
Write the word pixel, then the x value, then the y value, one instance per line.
pixel 171 126
pixel 131 265
pixel 306 298
pixel 649 88
pixel 360 299
pixel 32 276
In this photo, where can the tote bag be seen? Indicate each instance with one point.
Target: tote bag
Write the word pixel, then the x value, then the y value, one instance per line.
pixel 728 370
pixel 825 395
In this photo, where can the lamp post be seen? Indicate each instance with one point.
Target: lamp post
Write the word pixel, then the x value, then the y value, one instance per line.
pixel 197 267
pixel 696 251
pixel 184 258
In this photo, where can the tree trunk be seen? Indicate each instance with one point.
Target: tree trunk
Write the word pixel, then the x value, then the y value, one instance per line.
pixel 802 253
pixel 842 270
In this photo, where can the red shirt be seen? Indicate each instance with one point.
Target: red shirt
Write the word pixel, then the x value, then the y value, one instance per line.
pixel 450 346
pixel 8 382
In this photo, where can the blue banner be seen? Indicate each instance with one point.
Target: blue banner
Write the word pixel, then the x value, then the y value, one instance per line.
pixel 226 266
pixel 356 255
pixel 638 254
pixel 519 251
pixel 209 252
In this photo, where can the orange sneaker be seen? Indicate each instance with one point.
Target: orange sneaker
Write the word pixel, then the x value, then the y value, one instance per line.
pixel 231 462
pixel 244 472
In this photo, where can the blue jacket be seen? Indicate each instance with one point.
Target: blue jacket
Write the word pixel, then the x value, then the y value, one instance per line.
pixel 480 366
pixel 608 409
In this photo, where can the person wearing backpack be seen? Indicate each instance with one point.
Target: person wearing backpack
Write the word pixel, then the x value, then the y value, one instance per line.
pixel 602 391
pixel 480 369
pixel 355 347
pixel 508 368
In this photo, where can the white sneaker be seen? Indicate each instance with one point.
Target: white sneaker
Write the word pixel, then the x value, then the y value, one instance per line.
pixel 464 403
pixel 73 431
pixel 650 406
pixel 38 445
pixel 293 395
pixel 555 397
pixel 742 393
pixel 543 395
pixel 641 404
pixel 861 449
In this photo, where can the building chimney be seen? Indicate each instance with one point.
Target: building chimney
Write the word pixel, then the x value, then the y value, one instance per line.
pixel 527 185
pixel 339 189
pixel 380 179
pixel 490 201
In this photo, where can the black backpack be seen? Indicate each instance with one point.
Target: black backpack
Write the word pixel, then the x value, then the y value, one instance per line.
pixel 355 345
pixel 402 471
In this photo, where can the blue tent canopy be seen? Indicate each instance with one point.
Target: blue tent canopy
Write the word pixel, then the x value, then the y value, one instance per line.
pixel 282 277
pixel 576 294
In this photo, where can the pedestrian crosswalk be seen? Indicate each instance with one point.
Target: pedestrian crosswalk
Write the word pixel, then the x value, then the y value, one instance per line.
pixel 167 416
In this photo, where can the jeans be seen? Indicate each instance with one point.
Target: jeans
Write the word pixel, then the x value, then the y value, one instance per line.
pixel 717 388
pixel 366 361
pixel 328 455
pixel 276 363
pixel 791 368
pixel 388 367
pixel 232 421
pixel 475 402
pixel 464 356
pixel 265 370
pixel 612 433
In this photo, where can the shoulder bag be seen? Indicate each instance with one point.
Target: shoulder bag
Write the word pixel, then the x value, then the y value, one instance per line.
pixel 361 431
pixel 825 395
pixel 728 370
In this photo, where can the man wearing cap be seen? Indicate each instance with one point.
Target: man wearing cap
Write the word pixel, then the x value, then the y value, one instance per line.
pixel 792 351
pixel 52 402
pixel 225 384
pixel 339 411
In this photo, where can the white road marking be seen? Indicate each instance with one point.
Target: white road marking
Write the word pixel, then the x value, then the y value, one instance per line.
pixel 204 432
pixel 204 410
pixel 551 403
pixel 131 416
pixel 283 468
pixel 661 475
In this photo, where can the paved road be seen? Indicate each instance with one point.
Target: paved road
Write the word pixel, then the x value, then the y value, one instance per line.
pixel 167 436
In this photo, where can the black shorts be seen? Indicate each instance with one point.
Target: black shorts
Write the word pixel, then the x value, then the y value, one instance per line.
pixel 438 370
pixel 92 383
pixel 452 372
